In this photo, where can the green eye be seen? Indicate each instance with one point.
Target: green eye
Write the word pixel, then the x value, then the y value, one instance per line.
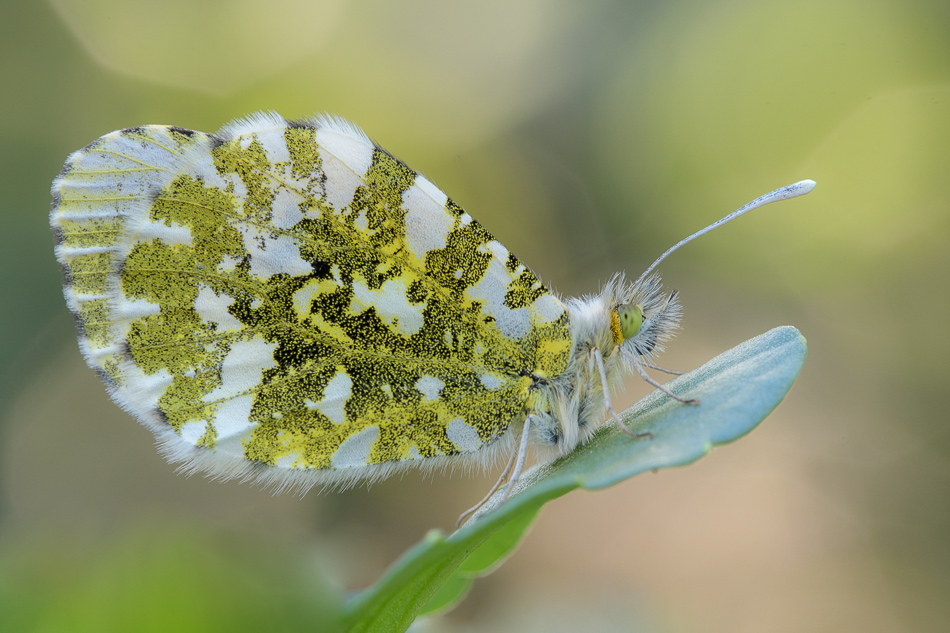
pixel 631 318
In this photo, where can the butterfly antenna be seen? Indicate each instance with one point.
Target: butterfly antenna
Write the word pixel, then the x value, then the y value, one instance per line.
pixel 794 190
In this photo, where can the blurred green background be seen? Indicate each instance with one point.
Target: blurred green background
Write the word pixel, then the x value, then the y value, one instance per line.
pixel 588 137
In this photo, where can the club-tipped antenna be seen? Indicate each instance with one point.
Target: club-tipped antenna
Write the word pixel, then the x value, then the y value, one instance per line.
pixel 794 190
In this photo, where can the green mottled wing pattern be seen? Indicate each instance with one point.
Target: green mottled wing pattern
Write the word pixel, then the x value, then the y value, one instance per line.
pixel 287 294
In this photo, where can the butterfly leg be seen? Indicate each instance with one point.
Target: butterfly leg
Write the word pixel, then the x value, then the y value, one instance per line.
pixel 665 371
pixel 602 370
pixel 516 461
pixel 643 374
pixel 519 462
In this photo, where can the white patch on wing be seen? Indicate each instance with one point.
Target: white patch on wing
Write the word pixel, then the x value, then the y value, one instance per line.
pixel 232 423
pixel 491 290
pixel 168 234
pixel 144 389
pixel 354 452
pixel 242 368
pixel 498 250
pixel 464 436
pixel 391 304
pixel 239 190
pixel 274 144
pixel 429 387
pixel 361 222
pixel 203 167
pixel 131 309
pixel 228 263
pixel 213 308
pixel 313 288
pixel 122 161
pixel 271 254
pixel 286 209
pixel 335 395
pixel 427 222
pixel 288 461
pixel 193 431
pixel 432 191
pixel 346 159
pixel 548 309
pixel 490 381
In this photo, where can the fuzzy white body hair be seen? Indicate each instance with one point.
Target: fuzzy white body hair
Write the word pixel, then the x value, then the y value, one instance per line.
pixel 572 406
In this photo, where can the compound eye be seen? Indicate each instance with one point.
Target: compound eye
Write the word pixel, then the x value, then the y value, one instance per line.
pixel 630 319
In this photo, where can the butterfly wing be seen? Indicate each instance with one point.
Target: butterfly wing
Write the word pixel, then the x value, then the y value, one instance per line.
pixel 286 300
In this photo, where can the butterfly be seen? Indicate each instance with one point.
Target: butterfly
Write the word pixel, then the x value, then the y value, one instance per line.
pixel 286 302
